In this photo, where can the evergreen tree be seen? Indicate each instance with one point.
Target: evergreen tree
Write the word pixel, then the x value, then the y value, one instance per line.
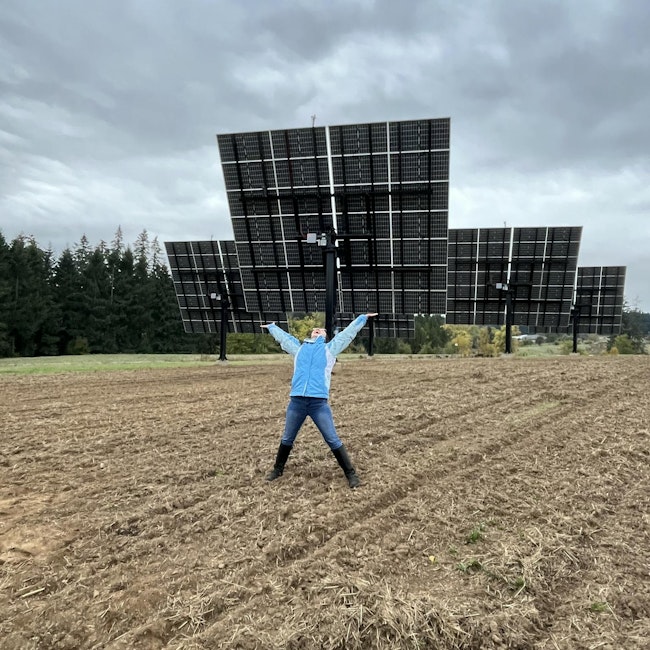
pixel 97 295
pixel 68 294
pixel 82 252
pixel 166 328
pixel 46 339
pixel 156 254
pixel 123 304
pixel 143 300
pixel 5 290
pixel 633 327
pixel 430 334
pixel 31 315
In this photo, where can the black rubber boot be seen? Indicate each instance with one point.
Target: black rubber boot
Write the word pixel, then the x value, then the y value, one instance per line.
pixel 346 465
pixel 280 460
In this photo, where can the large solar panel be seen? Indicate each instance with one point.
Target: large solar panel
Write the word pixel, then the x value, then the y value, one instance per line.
pixel 537 264
pixel 382 187
pixel 599 299
pixel 206 273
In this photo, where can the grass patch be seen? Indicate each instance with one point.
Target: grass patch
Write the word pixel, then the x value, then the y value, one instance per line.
pixel 112 362
pixel 599 606
pixel 469 566
pixel 535 412
pixel 98 362
pixel 476 535
pixel 543 350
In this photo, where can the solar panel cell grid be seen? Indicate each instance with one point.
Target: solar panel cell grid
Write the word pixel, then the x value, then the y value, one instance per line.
pixel 494 250
pixel 599 299
pixel 307 278
pixel 466 235
pixel 200 269
pixel 287 172
pixel 494 235
pixel 538 263
pixel 464 251
pixel 420 197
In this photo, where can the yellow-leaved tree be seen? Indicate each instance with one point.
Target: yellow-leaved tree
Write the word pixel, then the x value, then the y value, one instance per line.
pixel 462 341
pixel 485 346
pixel 499 339
pixel 301 327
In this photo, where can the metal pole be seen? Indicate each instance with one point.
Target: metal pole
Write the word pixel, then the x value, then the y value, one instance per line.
pixel 509 319
pixel 330 284
pixel 371 338
pixel 576 321
pixel 224 329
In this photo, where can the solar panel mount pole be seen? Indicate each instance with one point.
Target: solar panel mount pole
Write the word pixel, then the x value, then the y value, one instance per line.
pixel 328 241
pixel 223 300
pixel 575 322
pixel 507 289
pixel 509 319
pixel 224 331
pixel 576 312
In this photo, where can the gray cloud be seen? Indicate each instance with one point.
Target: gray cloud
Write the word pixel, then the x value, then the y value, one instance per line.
pixel 108 110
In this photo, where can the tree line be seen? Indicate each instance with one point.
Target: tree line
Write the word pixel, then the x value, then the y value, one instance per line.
pixel 103 299
pixel 118 298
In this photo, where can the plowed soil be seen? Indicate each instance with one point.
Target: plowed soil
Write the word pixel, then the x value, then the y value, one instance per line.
pixel 504 504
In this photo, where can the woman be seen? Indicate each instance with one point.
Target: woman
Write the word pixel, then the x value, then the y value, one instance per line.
pixel 314 359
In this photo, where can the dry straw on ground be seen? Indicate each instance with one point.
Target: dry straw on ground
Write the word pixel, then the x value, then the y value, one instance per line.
pixel 504 505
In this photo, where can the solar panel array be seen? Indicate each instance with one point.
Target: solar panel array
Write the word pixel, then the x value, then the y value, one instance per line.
pixel 205 274
pixel 538 264
pixel 382 187
pixel 599 299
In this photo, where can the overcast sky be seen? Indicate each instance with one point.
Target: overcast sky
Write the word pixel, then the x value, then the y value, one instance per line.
pixel 109 109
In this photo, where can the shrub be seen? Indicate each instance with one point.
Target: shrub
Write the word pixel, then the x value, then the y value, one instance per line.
pixel 78 345
pixel 623 344
pixel 566 347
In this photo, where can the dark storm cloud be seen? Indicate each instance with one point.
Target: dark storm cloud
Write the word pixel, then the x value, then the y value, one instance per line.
pixel 141 75
pixel 108 109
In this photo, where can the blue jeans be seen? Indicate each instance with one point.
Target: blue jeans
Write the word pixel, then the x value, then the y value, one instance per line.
pixel 319 411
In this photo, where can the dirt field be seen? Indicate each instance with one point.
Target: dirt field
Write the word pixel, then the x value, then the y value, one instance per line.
pixel 505 504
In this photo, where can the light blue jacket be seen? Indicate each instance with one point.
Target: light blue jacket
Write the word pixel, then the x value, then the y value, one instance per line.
pixel 314 359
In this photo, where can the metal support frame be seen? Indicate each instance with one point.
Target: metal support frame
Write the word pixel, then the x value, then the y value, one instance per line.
pixel 224 330
pixel 575 324
pixel 510 316
pixel 508 289
pixel 327 240
pixel 371 338
pixel 224 304
pixel 576 312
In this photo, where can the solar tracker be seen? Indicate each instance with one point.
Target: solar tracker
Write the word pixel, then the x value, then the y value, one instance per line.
pixel 381 189
pixel 532 267
pixel 205 273
pixel 598 307
pixel 206 278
